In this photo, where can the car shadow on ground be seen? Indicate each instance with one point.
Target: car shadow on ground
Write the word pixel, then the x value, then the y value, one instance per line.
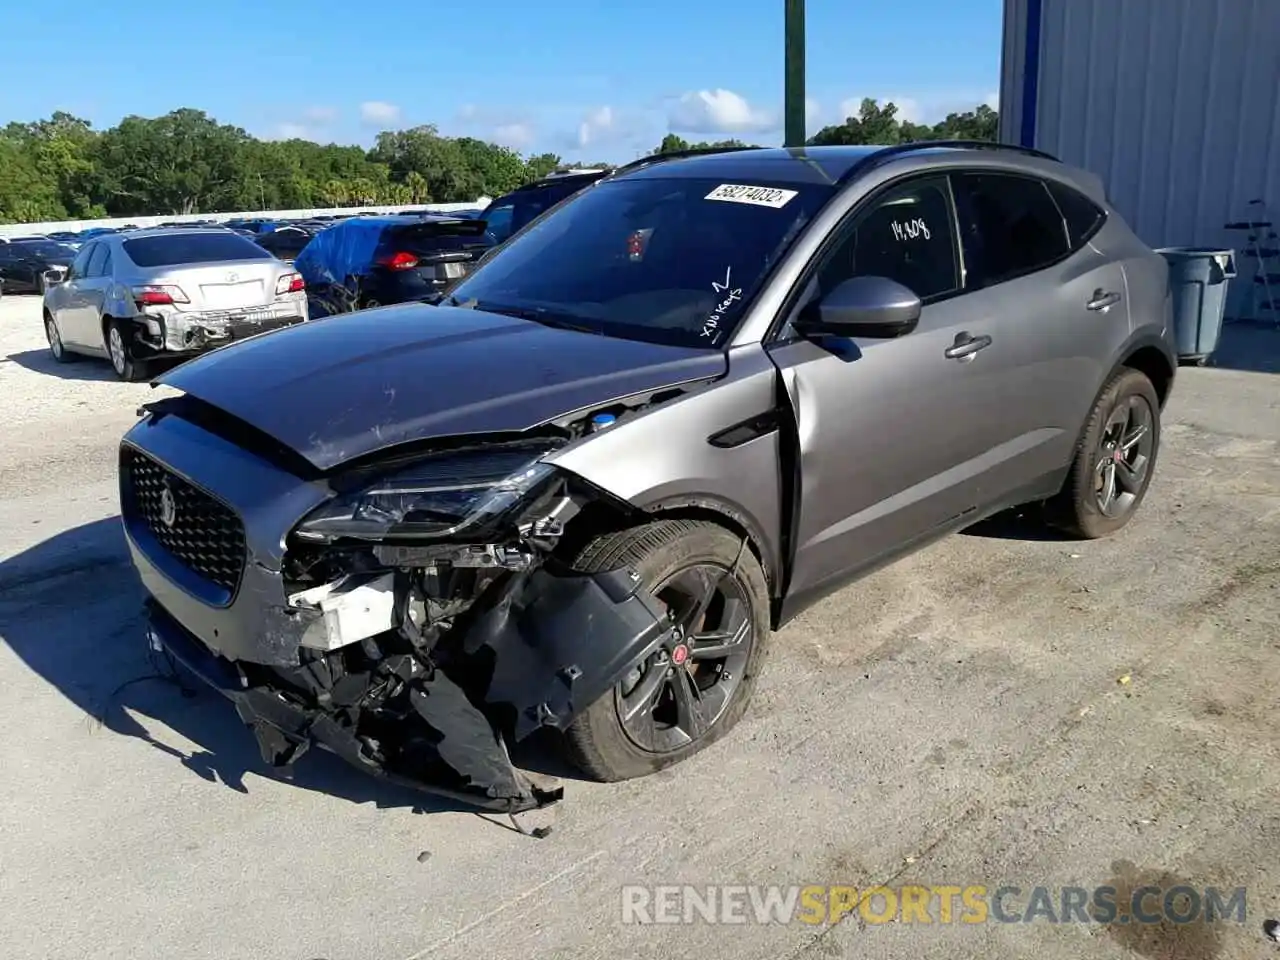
pixel 1020 523
pixel 1250 346
pixel 71 609
pixel 82 368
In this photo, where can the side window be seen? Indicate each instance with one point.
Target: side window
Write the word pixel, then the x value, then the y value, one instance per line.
pixel 96 261
pixel 1010 226
pixel 499 222
pixel 905 235
pixel 1084 217
pixel 81 262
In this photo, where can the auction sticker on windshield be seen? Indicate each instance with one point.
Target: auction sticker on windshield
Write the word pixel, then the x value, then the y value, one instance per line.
pixel 757 196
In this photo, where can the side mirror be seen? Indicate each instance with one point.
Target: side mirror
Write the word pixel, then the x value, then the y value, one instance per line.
pixel 53 277
pixel 863 307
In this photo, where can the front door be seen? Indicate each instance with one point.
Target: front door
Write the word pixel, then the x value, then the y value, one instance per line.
pixel 892 432
pixel 67 303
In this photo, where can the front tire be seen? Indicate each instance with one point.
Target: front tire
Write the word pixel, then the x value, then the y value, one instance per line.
pixel 56 348
pixel 1115 459
pixel 690 693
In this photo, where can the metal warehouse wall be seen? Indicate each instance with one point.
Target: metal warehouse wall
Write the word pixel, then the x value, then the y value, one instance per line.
pixel 1174 103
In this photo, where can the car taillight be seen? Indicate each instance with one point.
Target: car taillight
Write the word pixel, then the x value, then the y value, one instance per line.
pixel 158 295
pixel 290 283
pixel 399 261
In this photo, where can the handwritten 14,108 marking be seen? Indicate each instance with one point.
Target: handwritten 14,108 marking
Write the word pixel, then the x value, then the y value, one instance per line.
pixel 915 229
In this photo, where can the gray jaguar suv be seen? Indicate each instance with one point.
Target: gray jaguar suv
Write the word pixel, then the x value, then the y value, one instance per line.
pixel 664 416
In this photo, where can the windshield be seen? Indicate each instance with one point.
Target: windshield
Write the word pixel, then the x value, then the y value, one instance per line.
pixel 213 246
pixel 45 248
pixel 665 260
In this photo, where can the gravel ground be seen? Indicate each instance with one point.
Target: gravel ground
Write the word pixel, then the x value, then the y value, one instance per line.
pixel 956 719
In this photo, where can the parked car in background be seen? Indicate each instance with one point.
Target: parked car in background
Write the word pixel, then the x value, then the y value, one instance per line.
pixel 167 293
pixel 384 260
pixel 68 237
pixel 512 211
pixel 285 242
pixel 25 263
pixel 645 432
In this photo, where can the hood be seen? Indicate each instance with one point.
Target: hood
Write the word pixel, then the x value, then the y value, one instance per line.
pixel 341 387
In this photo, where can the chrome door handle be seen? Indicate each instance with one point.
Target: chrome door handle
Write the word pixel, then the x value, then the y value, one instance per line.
pixel 1102 299
pixel 966 346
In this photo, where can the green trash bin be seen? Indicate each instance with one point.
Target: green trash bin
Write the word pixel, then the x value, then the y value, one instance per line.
pixel 1199 278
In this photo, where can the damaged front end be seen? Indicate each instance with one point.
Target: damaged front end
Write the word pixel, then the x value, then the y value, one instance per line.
pixel 429 623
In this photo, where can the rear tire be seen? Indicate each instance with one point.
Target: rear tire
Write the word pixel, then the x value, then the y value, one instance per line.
pixel 1115 459
pixel 122 362
pixel 667 555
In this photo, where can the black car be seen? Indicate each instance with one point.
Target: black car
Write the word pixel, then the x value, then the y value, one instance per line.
pixel 23 263
pixel 285 243
pixel 396 259
pixel 512 211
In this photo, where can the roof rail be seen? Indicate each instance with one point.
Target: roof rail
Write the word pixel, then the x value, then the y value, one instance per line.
pixel 677 155
pixel 886 154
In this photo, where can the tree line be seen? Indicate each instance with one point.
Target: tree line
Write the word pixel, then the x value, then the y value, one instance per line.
pixel 187 163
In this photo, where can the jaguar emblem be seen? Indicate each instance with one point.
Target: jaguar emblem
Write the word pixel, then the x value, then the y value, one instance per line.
pixel 168 507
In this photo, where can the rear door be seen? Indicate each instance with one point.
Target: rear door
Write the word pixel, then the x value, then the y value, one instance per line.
pixel 93 294
pixel 1049 299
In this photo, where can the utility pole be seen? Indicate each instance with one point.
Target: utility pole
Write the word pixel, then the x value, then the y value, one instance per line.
pixel 793 109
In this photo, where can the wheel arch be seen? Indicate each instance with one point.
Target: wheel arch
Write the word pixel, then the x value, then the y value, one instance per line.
pixel 1150 356
pixel 605 514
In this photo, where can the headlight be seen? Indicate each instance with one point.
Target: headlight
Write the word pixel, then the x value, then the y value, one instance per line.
pixel 440 495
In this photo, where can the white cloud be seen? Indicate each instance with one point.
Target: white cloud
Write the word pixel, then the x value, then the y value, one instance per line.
pixel 293 131
pixel 719 111
pixel 812 116
pixel 320 114
pixel 596 126
pixel 517 136
pixel 378 111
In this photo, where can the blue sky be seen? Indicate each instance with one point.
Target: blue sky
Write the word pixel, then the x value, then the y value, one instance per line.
pixel 588 83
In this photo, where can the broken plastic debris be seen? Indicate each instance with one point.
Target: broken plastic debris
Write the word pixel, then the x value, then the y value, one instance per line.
pixel 1125 680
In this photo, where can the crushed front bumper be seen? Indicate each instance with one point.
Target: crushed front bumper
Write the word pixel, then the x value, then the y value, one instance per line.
pixel 545 648
pixel 533 648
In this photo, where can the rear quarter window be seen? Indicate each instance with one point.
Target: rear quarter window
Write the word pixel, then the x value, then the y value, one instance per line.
pixel 179 248
pixel 1084 217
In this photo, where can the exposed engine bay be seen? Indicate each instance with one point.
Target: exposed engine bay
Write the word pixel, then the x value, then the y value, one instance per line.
pixel 432 620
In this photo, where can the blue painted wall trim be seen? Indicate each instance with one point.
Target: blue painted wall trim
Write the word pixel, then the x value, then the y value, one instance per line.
pixel 1031 73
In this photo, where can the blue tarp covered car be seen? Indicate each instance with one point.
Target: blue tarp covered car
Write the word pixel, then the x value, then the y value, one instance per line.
pixel 372 261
